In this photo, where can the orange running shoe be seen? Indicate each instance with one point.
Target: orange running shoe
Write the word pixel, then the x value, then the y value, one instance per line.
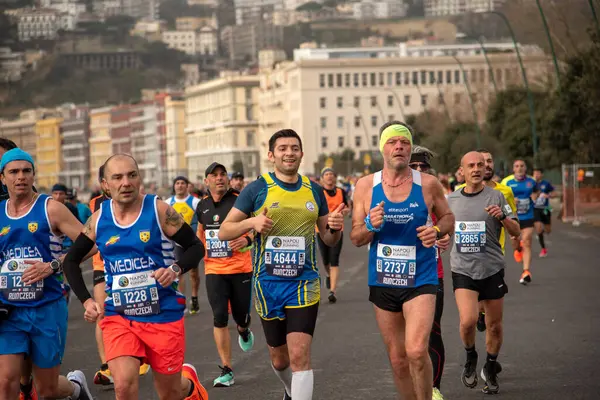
pixel 190 373
pixel 525 277
pixel 32 395
pixel 518 254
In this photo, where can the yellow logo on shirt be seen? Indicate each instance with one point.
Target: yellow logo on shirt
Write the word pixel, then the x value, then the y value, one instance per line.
pixel 5 231
pixel 112 240
pixel 32 226
pixel 145 236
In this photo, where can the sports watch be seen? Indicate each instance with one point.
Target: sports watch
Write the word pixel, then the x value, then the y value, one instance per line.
pixel 56 266
pixel 175 268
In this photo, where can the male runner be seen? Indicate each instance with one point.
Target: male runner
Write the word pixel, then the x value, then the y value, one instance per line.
pixel 32 286
pixel 283 207
pixel 144 310
pixel 237 181
pixel 331 255
pixel 228 267
pixel 542 213
pixel 186 204
pixel 526 192
pixel 478 265
pixel 391 214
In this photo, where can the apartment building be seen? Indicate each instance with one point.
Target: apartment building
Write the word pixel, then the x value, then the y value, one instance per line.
pixel 222 124
pixel 435 8
pixel 99 140
pixel 175 136
pixel 38 24
pixel 193 42
pixel 22 129
pixel 379 9
pixel 75 152
pixel 48 161
pixel 244 42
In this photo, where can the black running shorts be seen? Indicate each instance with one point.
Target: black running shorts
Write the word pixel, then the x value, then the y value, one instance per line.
pixel 330 255
pixel 392 299
pixel 301 319
pixel 528 223
pixel 490 288
pixel 230 289
pixel 542 215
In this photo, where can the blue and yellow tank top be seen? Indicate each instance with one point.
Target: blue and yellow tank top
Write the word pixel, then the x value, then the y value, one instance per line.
pixel 28 237
pixel 397 258
pixel 287 252
pixel 131 253
pixel 186 208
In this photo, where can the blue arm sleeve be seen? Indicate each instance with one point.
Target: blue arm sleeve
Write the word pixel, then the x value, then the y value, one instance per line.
pixel 320 198
pixel 251 197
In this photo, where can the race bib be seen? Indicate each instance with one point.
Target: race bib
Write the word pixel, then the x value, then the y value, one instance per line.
pixel 217 248
pixel 285 256
pixel 135 294
pixel 469 236
pixel 11 283
pixel 396 265
pixel 523 205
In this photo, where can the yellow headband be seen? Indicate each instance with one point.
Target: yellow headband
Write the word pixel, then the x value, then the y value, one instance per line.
pixel 393 131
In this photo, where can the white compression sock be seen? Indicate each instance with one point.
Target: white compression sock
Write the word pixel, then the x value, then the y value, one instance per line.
pixel 302 385
pixel 285 377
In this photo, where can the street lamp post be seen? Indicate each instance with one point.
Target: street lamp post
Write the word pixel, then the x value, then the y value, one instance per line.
pixel 475 119
pixel 441 94
pixel 549 41
pixel 487 60
pixel 594 15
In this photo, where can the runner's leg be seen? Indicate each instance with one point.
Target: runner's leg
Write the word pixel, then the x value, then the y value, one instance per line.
pixel 10 372
pixel 125 371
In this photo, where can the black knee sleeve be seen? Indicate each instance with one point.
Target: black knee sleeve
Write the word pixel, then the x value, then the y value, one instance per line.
pixel 221 320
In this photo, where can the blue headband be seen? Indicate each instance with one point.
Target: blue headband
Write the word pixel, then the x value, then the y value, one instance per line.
pixel 15 155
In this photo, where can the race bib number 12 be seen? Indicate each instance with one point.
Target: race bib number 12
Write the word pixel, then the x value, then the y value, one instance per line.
pixel 11 281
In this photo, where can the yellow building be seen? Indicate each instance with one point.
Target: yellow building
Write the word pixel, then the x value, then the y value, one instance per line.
pixel 175 126
pixel 100 140
pixel 48 144
pixel 22 130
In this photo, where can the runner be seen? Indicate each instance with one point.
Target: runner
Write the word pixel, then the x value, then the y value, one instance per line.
pixel 420 161
pixel 103 375
pixel 283 208
pixel 32 286
pixel 228 267
pixel 526 192
pixel 186 204
pixel 144 310
pixel 331 255
pixel 391 214
pixel 237 181
pixel 542 211
pixel 478 264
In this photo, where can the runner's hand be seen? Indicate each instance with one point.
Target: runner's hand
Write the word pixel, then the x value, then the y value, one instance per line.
pixel 376 215
pixel 36 272
pixel 238 243
pixel 262 223
pixel 495 211
pixel 164 276
pixel 93 311
pixel 443 243
pixel 335 219
pixel 428 235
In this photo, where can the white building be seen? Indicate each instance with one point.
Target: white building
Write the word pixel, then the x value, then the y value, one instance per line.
pixel 208 40
pixel 455 7
pixel 247 11
pixel 12 65
pixel 147 9
pixel 203 41
pixel 38 24
pixel 379 9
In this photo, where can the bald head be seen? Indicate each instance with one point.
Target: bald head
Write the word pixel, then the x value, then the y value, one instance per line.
pixel 122 178
pixel 119 159
pixel 472 165
pixel 472 156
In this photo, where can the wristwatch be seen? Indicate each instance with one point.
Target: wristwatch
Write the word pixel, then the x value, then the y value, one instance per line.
pixel 56 266
pixel 175 268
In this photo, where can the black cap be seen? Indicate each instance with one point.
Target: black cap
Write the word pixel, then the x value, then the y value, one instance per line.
pixel 211 168
pixel 59 187
pixel 181 178
pixel 71 194
pixel 236 175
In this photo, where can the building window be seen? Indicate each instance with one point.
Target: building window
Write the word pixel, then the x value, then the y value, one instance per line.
pixel 365 81
pixel 340 102
pixel 373 101
pixel 474 97
pixel 323 122
pixel 338 80
pixel 390 101
pixel 432 77
pixel 356 101
pixel 481 76
pixel 473 76
pixel 424 100
pixel 391 117
pixel 456 76
pixel 340 122
pixel 498 75
pixel 373 79
pixel 448 77
pixel 381 79
pixel 340 141
pixel 250 138
pixel 390 78
pixel 423 77
pixel 322 80
pixel 440 77
pixel 330 80
pixel 507 75
pixel 407 100
pixel 357 122
pixel 347 80
pixel 440 99
pixel 357 141
pixel 398 78
pixel 374 121
pixel 323 102
pixel 374 140
pixel 457 98
pixel 406 79
pixel 323 142
pixel 415 78
pixel 356 81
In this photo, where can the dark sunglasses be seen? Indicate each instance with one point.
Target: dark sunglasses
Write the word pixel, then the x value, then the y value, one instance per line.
pixel 423 166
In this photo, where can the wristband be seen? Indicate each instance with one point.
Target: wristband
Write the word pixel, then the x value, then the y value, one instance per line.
pixel 370 226
pixel 248 240
pixel 502 218
pixel 333 231
pixel 438 235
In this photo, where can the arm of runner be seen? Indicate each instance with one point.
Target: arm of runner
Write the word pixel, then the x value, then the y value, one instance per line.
pixel 238 222
pixel 507 217
pixel 359 234
pixel 440 207
pixel 510 199
pixel 347 202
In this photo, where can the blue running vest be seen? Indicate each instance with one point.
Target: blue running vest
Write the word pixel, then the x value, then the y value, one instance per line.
pixel 130 255
pixel 397 258
pixel 28 237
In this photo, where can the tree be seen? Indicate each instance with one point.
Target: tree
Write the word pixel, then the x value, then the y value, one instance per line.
pixel 310 6
pixel 172 9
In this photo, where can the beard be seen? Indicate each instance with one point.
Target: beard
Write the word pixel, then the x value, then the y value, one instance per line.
pixel 488 175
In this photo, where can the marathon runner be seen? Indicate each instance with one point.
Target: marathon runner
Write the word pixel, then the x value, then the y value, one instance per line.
pixel 144 310
pixel 331 255
pixel 32 289
pixel 420 160
pixel 237 181
pixel 283 208
pixel 525 190
pixel 392 209
pixel 185 204
pixel 542 211
pixel 228 268
pixel 478 264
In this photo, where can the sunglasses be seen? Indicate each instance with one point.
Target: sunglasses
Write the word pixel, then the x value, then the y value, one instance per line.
pixel 422 166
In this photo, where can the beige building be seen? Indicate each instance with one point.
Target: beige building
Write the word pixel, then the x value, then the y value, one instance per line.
pixel 100 140
pixel 192 42
pixel 222 124
pixel 193 23
pixel 22 130
pixel 175 136
pixel 340 103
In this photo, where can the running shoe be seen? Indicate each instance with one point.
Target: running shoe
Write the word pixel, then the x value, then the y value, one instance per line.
pixel 469 374
pixel 103 376
pixel 199 393
pixel 78 378
pixel 481 322
pixel 195 307
pixel 525 277
pixel 489 375
pixel 286 396
pixel 518 256
pixel 225 379
pixel 144 369
pixel 437 395
pixel 32 395
pixel 543 253
pixel 246 340
pixel 332 298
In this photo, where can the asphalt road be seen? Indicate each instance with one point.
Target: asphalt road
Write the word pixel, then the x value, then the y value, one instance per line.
pixel 550 338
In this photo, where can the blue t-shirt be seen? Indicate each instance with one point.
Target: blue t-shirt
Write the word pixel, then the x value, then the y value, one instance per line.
pixel 544 187
pixel 84 212
pixel 523 189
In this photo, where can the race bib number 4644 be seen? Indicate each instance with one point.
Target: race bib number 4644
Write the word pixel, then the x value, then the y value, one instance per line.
pixel 469 236
pixel 135 294
pixel 11 283
pixel 285 256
